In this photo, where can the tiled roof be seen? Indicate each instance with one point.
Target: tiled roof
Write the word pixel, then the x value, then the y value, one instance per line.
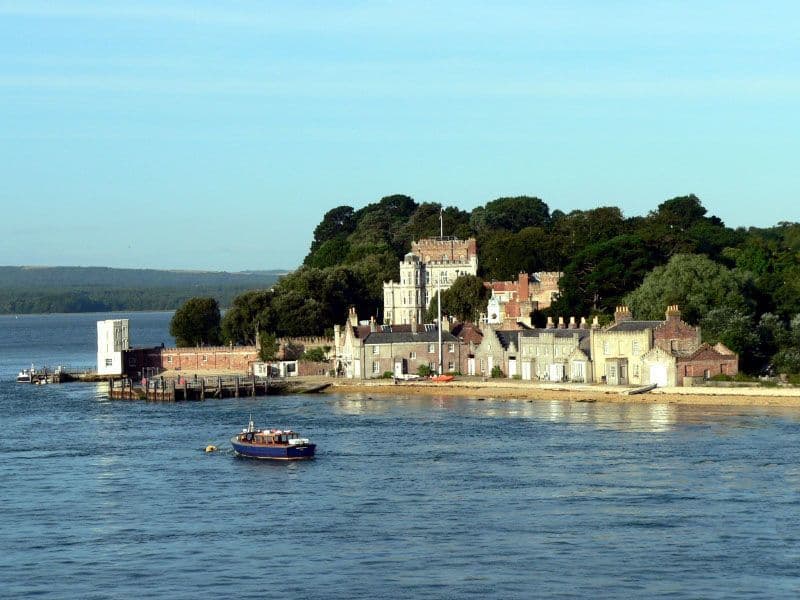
pixel 634 325
pixel 506 337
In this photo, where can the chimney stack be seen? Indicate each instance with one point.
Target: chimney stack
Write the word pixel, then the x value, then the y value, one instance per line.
pixel 373 327
pixel 523 287
pixel 353 317
pixel 622 313
pixel 673 313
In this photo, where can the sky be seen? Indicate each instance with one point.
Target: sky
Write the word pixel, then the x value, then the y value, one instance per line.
pixel 214 135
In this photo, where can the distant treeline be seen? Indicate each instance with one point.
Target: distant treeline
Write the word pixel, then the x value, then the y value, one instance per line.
pixel 25 290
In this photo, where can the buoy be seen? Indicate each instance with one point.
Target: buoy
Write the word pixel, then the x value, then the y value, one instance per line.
pixel 211 448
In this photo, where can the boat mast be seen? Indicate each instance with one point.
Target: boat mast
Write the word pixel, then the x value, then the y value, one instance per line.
pixel 439 291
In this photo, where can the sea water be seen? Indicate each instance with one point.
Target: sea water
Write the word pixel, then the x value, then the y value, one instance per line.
pixel 409 497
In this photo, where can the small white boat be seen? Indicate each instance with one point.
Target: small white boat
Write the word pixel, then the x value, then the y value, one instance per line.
pixel 26 375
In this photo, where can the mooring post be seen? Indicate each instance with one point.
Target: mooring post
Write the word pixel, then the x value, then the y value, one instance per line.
pixel 253 389
pixel 202 389
pixel 236 383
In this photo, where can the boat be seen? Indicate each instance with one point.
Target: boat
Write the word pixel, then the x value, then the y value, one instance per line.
pixel 26 375
pixel 274 444
pixel 443 378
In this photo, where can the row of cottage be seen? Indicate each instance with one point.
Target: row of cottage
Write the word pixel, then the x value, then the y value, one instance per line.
pixel 625 352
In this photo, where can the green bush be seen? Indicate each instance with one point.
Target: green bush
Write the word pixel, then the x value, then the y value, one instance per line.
pixel 793 378
pixel 497 372
pixel 388 375
pixel 424 371
pixel 721 377
pixel 516 377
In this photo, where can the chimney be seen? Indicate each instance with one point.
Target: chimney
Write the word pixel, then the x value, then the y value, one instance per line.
pixel 523 287
pixel 373 327
pixel 337 336
pixel 414 324
pixel 353 317
pixel 445 323
pixel 622 313
pixel 673 313
pixel 572 324
pixel 549 323
pixel 561 323
pixel 583 323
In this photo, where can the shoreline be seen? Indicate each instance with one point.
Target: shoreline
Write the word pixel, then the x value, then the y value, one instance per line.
pixel 691 396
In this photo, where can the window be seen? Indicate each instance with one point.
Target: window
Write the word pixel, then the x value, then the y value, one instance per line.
pixel 637 347
pixel 431 348
pixel 169 359
pixel 109 362
pixel 606 348
pixel 635 369
pixel 374 349
pixel 451 366
pixel 451 348
pixel 376 367
pixel 412 355
pixel 205 358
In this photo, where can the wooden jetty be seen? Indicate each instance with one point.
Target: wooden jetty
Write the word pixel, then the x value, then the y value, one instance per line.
pixel 174 389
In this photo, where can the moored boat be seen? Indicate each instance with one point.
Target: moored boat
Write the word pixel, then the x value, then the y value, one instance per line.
pixel 26 375
pixel 274 444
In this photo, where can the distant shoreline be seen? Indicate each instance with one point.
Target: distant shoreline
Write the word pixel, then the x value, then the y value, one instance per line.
pixel 693 396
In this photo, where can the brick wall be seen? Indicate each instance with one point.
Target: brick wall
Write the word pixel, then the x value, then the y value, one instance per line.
pixel 212 358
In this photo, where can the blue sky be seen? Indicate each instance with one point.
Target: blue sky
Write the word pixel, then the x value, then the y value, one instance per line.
pixel 214 135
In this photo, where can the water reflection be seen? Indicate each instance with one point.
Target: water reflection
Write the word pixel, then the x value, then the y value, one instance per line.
pixel 624 417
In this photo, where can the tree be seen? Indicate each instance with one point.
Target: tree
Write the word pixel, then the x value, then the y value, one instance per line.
pixel 514 214
pixel 694 282
pixel 337 222
pixel 465 300
pixel 267 346
pixel 599 276
pixel 249 312
pixel 736 330
pixel 196 323
pixel 317 354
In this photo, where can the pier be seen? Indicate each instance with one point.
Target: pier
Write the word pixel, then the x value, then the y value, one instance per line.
pixel 172 389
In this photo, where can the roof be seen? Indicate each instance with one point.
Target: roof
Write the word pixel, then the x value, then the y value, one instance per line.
pixel 506 337
pixel 562 333
pixel 468 332
pixel 406 337
pixel 633 325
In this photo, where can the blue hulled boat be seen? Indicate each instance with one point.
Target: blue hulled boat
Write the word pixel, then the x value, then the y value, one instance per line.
pixel 275 444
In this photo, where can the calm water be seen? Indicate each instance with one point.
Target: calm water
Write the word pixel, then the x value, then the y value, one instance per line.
pixel 409 497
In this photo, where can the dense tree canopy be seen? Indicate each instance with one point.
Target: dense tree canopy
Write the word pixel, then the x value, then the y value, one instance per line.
pixel 695 283
pixel 196 323
pixel 742 286
pixel 465 300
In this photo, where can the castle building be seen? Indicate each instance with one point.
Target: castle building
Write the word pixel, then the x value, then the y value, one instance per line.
pixel 431 262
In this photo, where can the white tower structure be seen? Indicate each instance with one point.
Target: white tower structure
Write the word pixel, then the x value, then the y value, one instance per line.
pixel 112 342
pixel 431 262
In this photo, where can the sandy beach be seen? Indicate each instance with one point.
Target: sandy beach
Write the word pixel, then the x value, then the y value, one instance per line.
pixel 700 396
pixel 508 388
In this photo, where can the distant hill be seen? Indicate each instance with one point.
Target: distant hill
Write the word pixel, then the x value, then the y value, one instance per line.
pixel 90 289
